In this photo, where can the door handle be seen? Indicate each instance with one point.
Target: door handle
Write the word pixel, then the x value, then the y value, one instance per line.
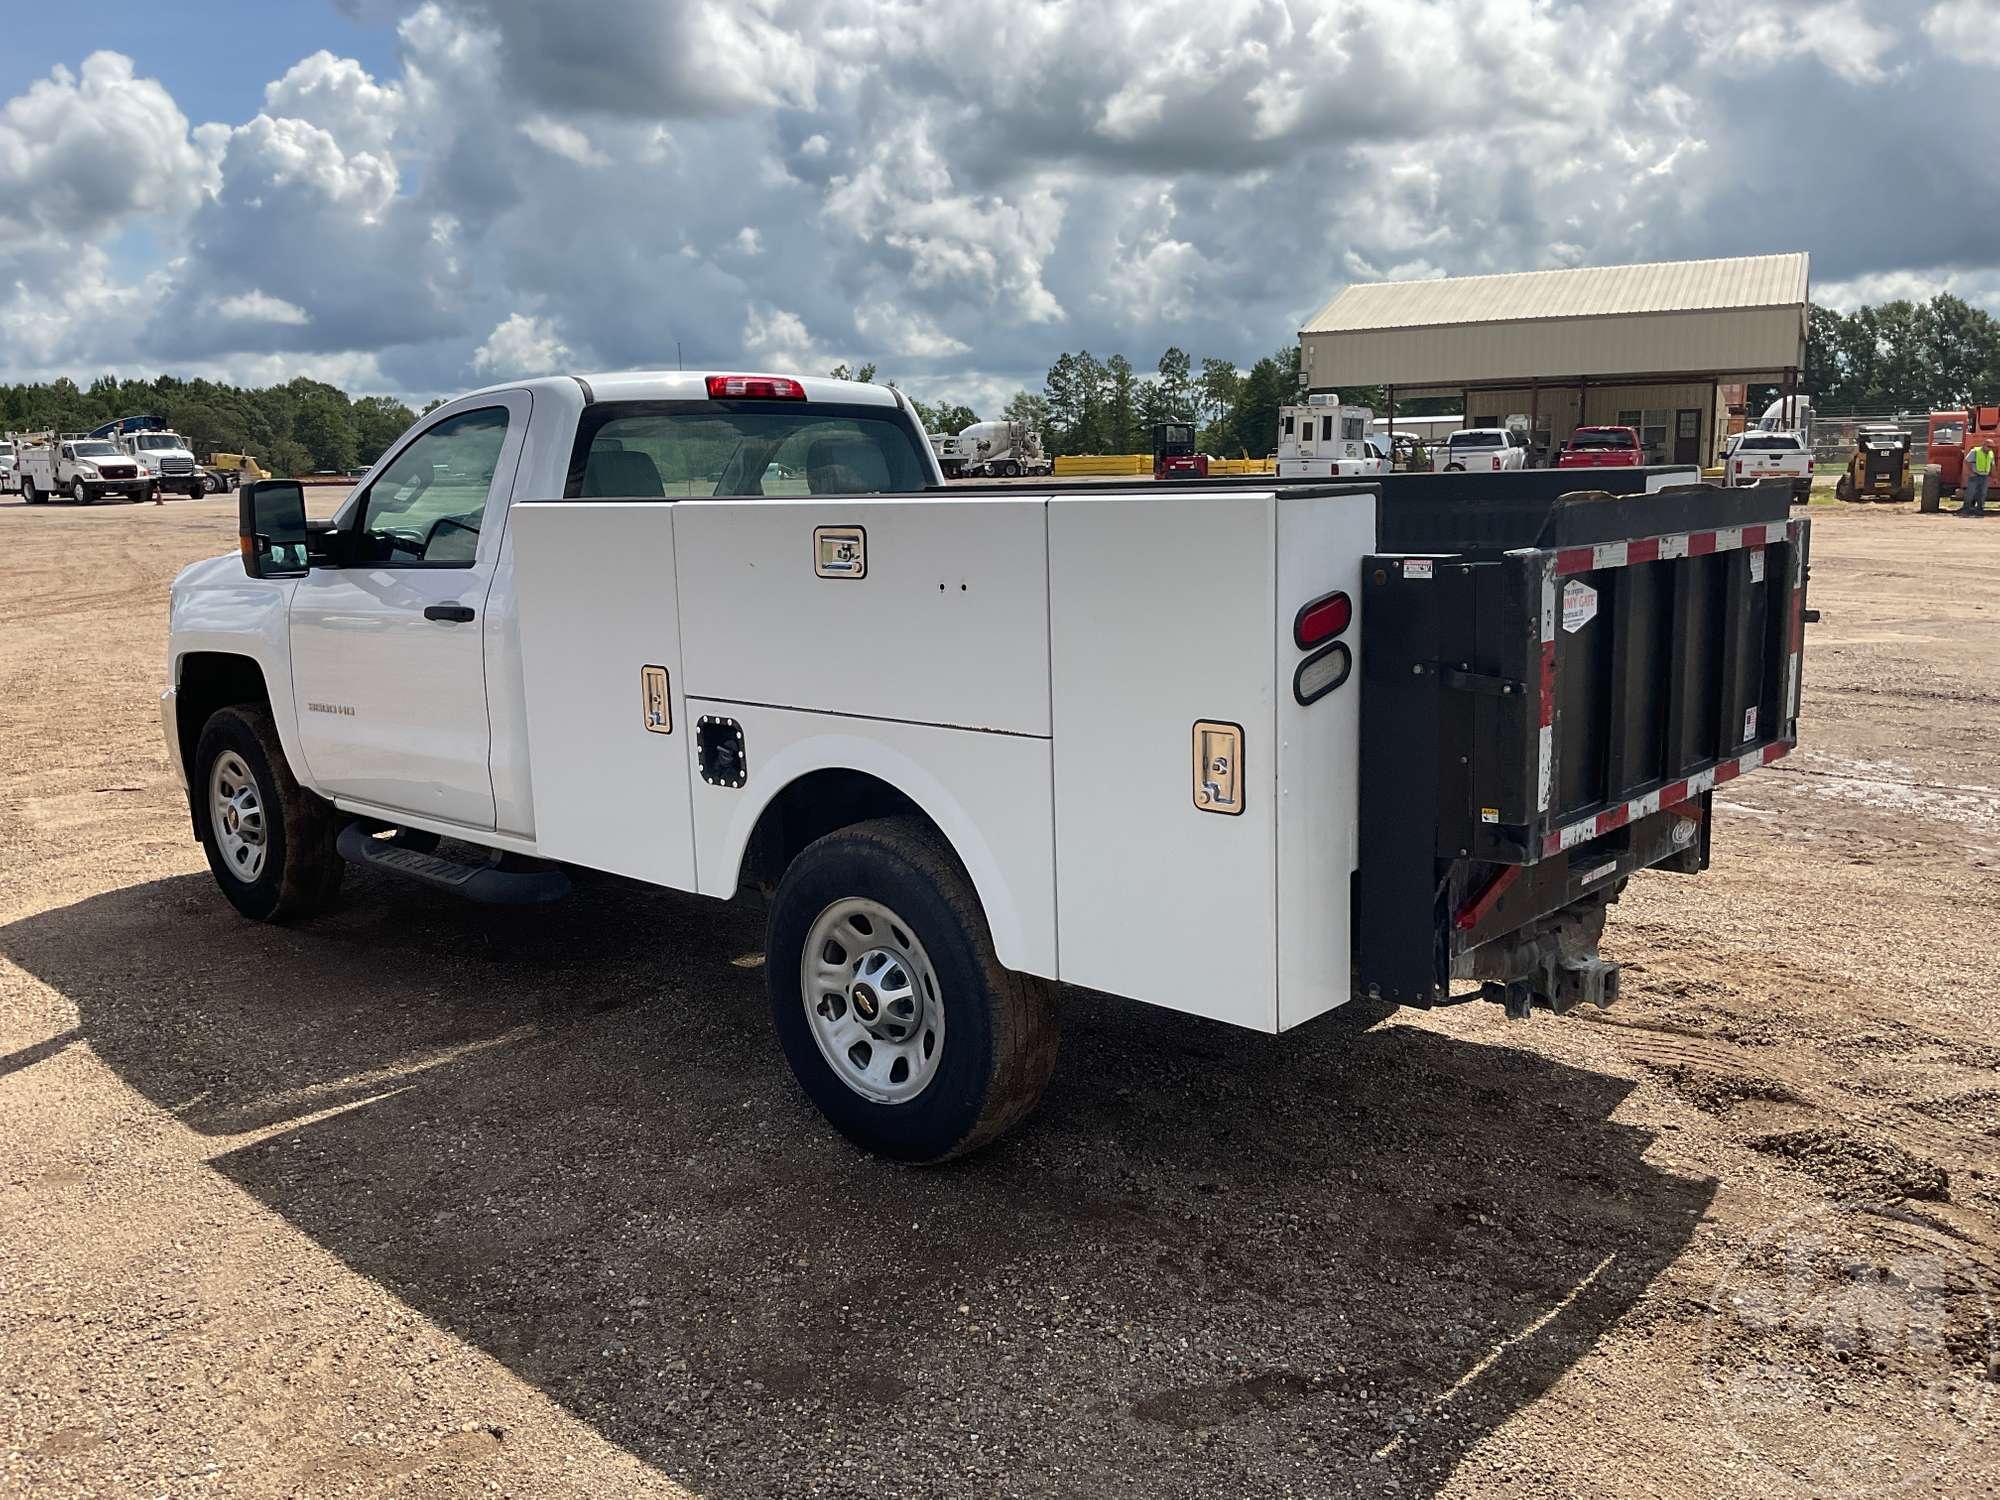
pixel 451 614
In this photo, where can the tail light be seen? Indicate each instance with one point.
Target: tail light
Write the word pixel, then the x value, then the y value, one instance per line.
pixel 1496 463
pixel 755 388
pixel 1313 630
pixel 1322 620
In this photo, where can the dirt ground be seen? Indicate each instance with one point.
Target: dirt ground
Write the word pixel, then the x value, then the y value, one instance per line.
pixel 421 1199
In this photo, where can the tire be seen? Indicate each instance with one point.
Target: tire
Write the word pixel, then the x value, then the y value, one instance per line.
pixel 995 1031
pixel 210 485
pixel 299 871
pixel 80 492
pixel 30 495
pixel 1454 468
pixel 1843 488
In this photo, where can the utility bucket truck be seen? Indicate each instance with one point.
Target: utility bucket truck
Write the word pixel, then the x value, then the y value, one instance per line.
pixel 1249 749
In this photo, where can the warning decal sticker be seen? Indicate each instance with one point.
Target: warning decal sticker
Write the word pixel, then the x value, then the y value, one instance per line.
pixel 1579 605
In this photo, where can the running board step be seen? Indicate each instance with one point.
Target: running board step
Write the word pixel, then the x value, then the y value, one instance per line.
pixel 488 884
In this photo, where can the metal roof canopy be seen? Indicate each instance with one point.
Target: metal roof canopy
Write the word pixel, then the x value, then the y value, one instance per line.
pixel 1743 316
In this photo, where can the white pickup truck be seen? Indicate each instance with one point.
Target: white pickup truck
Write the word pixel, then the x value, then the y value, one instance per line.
pixel 725 633
pixel 1481 450
pixel 1756 456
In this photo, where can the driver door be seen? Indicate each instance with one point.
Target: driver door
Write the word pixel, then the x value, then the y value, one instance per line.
pixel 388 664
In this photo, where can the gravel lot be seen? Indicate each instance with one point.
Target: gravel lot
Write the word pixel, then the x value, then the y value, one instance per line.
pixel 421 1199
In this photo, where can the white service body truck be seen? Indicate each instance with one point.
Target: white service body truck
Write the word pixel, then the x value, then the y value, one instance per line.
pixel 976 740
pixel 84 468
pixel 1324 440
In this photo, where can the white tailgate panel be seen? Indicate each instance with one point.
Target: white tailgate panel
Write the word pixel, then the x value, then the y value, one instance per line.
pixel 989 793
pixel 1160 615
pixel 596 585
pixel 948 626
pixel 1321 542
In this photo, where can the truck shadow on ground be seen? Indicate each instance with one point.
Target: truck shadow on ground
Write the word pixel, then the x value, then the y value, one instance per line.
pixel 1212 1263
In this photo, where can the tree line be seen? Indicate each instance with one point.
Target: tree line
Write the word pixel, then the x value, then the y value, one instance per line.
pixel 1903 356
pixel 301 427
pixel 1092 405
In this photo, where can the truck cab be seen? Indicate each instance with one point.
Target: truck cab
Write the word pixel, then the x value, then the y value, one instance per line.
pixel 166 459
pixel 728 634
pixel 1953 434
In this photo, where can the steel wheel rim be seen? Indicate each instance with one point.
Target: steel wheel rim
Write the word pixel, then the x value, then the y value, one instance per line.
pixel 872 1000
pixel 236 815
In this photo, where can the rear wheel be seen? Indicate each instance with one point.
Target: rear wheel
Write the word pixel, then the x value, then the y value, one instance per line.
pixel 1843 488
pixel 269 841
pixel 897 1019
pixel 29 494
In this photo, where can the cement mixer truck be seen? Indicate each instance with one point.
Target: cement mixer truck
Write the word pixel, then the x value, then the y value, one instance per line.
pixel 1001 450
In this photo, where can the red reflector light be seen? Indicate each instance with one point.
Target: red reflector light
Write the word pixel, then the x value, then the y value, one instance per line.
pixel 755 388
pixel 1322 620
pixel 1496 463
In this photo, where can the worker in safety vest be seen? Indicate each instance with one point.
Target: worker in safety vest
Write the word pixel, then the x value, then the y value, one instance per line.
pixel 1978 474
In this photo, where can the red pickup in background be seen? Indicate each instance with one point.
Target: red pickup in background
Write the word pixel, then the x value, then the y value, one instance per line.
pixel 1602 448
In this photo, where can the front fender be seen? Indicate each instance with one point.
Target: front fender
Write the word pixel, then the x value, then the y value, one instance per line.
pixel 218 608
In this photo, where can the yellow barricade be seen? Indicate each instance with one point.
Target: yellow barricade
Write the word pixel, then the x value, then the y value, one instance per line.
pixel 1223 466
pixel 1085 464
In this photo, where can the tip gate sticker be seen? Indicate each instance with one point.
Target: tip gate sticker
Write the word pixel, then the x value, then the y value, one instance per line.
pixel 1579 605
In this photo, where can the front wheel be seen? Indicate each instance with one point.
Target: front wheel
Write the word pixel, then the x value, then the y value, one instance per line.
pixel 270 842
pixel 1843 488
pixel 210 484
pixel 897 1018
pixel 79 492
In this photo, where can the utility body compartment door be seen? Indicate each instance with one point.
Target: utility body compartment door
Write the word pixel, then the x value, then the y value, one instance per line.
pixel 1171 629
pixel 608 729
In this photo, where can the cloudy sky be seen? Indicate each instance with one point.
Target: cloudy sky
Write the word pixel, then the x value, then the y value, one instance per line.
pixel 420 196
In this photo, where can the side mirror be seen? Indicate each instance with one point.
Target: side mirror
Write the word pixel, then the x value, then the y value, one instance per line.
pixel 271 528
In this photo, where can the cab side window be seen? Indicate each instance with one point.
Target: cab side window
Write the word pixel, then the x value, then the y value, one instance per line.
pixel 426 508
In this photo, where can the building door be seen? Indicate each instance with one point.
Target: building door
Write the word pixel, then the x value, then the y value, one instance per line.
pixel 1687 436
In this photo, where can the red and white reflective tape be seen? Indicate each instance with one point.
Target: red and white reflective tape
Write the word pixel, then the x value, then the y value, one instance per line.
pixel 1545 759
pixel 1673 794
pixel 1573 560
pixel 1798 631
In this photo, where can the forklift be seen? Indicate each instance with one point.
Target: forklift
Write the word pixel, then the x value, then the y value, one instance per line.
pixel 1173 452
pixel 1879 467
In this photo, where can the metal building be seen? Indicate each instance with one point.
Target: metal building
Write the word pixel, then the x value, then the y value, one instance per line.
pixel 1643 346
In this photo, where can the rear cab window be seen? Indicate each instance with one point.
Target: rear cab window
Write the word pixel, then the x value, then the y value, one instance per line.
pixel 696 450
pixel 1773 443
pixel 1601 439
pixel 1478 439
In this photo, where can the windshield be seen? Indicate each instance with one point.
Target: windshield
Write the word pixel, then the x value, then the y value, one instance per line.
pixel 1481 439
pixel 95 450
pixel 651 450
pixel 157 440
pixel 1774 444
pixel 1601 438
pixel 6 450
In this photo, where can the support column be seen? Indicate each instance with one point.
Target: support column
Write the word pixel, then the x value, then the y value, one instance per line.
pixel 1535 413
pixel 1389 400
